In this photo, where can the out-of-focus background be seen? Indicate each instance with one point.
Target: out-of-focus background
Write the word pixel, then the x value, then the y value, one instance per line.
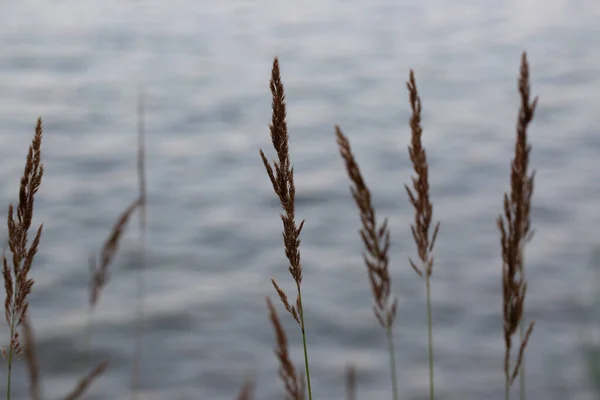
pixel 214 232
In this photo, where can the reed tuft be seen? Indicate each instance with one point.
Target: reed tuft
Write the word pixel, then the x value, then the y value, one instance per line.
pixel 419 198
pixel 17 282
pixel 376 239
pixel 281 174
pixel 515 231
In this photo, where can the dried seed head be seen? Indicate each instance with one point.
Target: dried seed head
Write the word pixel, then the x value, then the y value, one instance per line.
pixel 419 198
pixel 515 227
pixel 376 239
pixel 281 175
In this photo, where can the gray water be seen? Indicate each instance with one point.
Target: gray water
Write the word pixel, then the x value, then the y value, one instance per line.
pixel 214 236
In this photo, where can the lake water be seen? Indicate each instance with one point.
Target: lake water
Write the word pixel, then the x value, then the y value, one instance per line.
pixel 214 235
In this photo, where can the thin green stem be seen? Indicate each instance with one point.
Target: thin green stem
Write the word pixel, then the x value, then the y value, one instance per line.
pixel 430 337
pixel 390 338
pixel 304 342
pixel 506 386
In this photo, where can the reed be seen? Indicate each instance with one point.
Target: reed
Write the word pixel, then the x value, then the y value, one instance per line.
pixel 515 231
pixel 376 240
pixel 17 282
pixel 419 198
pixel 514 226
pixel 281 174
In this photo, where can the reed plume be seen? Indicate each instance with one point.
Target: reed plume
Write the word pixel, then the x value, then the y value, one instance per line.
pixel 281 174
pixel 17 282
pixel 515 231
pixel 419 198
pixel 376 239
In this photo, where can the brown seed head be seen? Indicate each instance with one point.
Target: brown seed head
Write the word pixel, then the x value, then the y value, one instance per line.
pixel 420 197
pixel 515 227
pixel 376 239
pixel 281 175
pixel 17 282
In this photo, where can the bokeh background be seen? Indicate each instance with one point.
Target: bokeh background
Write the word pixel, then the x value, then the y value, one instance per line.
pixel 214 235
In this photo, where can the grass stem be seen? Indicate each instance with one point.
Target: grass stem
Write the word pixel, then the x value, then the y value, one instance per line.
pixel 430 337
pixel 304 344
pixel 390 339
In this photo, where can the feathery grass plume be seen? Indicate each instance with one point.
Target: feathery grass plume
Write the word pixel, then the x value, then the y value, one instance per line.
pixel 376 240
pixel 99 274
pixel 423 209
pixel 281 175
pixel 350 382
pixel 87 381
pixel 17 283
pixel 515 231
pixel 294 382
pixel 141 284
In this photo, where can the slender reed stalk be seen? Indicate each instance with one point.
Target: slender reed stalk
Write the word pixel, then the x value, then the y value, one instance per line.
pixel 515 231
pixel 376 239
pixel 281 174
pixel 419 198
pixel 141 284
pixel 17 283
pixel 293 381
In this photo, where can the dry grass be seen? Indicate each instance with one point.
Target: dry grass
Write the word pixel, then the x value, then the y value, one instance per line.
pixel 376 240
pixel 419 198
pixel 281 174
pixel 17 283
pixel 515 231
pixel 514 225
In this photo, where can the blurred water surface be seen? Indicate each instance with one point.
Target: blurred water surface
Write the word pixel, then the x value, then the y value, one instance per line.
pixel 214 233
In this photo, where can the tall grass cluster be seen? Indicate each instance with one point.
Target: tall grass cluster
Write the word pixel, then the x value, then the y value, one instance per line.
pixel 514 231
